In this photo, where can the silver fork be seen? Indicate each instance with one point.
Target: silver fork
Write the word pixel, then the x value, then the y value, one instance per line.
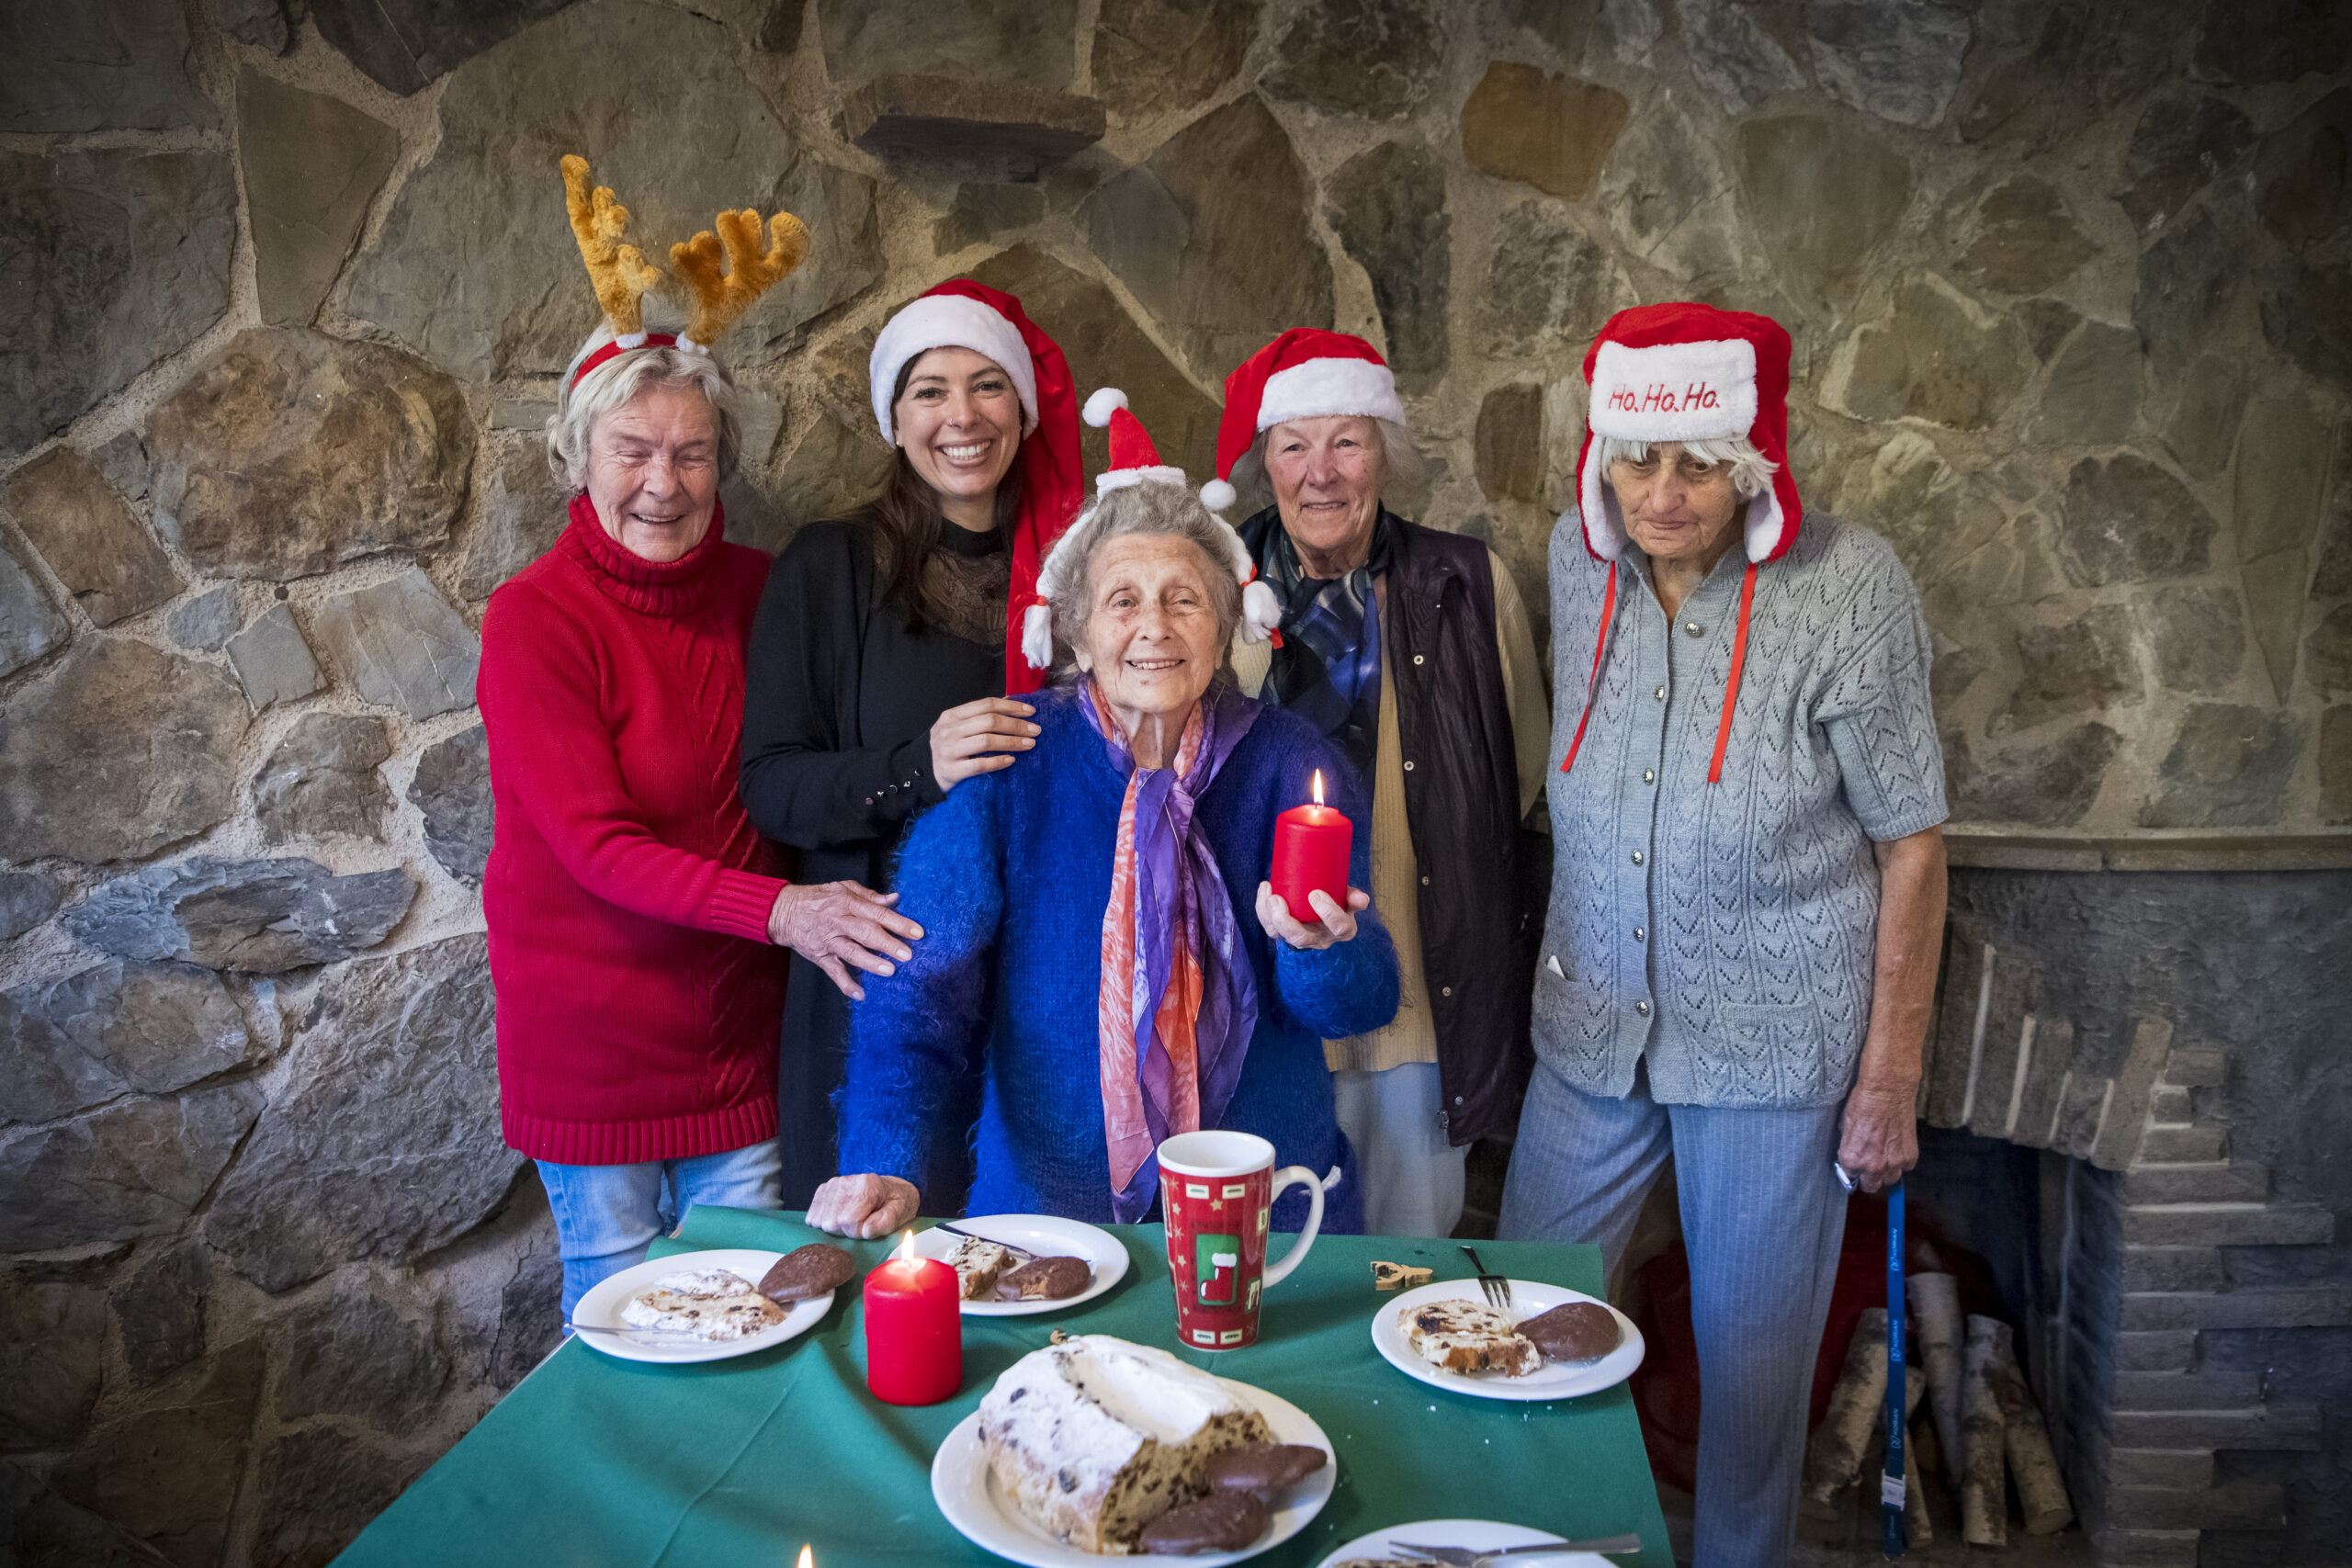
pixel 968 1236
pixel 1470 1557
pixel 1497 1287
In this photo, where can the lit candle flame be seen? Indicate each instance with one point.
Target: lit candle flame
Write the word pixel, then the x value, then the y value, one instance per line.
pixel 1319 786
pixel 808 1558
pixel 905 1253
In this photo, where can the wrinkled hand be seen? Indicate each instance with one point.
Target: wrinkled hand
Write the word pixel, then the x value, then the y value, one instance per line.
pixel 1335 923
pixel 863 1206
pixel 964 740
pixel 1881 1139
pixel 839 926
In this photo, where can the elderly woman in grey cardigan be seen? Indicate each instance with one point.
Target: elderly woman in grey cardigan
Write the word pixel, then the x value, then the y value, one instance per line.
pixel 1747 897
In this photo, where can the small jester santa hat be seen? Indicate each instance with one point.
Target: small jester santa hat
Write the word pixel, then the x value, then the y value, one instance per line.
pixel 1304 374
pixel 961 313
pixel 1685 371
pixel 1135 461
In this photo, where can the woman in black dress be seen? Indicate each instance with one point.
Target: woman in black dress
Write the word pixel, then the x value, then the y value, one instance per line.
pixel 884 662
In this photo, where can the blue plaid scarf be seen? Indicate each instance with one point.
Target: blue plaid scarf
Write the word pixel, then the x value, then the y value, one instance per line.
pixel 1328 668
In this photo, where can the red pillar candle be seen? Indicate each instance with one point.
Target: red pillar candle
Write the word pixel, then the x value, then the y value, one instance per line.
pixel 914 1334
pixel 1311 845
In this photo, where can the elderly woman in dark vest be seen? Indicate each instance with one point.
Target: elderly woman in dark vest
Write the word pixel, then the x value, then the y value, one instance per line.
pixel 1409 647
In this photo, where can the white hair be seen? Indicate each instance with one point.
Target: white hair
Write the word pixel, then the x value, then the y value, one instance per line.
pixel 1400 464
pixel 1751 471
pixel 615 383
pixel 1171 510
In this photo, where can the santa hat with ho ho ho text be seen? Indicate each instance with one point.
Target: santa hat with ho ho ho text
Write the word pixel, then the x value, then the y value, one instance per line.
pixel 1686 371
pixel 961 313
pixel 621 275
pixel 1136 461
pixel 1305 373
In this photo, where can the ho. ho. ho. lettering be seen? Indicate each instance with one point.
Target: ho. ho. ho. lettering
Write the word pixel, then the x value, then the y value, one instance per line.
pixel 1660 398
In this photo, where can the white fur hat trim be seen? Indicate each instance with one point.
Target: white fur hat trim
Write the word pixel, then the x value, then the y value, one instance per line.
pixel 1120 478
pixel 1323 386
pixel 948 321
pixel 1675 391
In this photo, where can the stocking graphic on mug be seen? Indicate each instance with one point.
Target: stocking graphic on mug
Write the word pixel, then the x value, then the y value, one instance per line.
pixel 1218 1189
pixel 1217 1267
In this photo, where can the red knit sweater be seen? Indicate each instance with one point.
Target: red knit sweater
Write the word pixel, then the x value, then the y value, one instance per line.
pixel 626 893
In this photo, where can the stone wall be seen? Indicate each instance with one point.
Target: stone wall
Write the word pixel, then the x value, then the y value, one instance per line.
pixel 290 283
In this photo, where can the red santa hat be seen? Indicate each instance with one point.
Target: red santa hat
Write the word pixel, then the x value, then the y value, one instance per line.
pixel 961 313
pixel 1305 373
pixel 1134 461
pixel 1685 371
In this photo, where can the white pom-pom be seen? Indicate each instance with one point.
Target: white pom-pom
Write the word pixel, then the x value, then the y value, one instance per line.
pixel 1260 611
pixel 1100 407
pixel 1037 636
pixel 1216 496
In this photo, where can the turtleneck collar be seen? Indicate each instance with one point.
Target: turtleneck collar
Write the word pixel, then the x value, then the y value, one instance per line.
pixel 958 540
pixel 655 587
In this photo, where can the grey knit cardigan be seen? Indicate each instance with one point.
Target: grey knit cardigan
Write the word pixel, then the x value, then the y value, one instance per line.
pixel 1726 932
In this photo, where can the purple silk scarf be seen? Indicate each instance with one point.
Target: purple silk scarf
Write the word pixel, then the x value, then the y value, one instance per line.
pixel 1170 920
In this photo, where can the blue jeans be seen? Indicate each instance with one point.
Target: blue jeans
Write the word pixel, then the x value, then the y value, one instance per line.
pixel 1763 1217
pixel 606 1216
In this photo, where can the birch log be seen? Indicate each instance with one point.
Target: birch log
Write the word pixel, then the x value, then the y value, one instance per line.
pixel 1983 1501
pixel 1917 1528
pixel 2041 1488
pixel 1935 1308
pixel 1835 1451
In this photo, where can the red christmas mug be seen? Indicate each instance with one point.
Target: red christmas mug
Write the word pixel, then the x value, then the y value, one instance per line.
pixel 1217 1190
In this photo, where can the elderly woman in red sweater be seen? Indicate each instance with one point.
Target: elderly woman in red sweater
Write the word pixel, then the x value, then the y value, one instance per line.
pixel 632 907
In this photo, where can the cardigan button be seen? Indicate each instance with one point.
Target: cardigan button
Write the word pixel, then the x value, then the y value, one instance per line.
pixel 1419 659
pixel 1661 693
pixel 1425 882
pixel 1638 857
pixel 1694 628
pixel 1642 1008
pixel 1446 990
pixel 1649 775
pixel 1640 933
pixel 1408 767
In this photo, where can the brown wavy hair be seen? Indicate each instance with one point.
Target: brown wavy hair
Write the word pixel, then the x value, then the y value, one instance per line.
pixel 904 521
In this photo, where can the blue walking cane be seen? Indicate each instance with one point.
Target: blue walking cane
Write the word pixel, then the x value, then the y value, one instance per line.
pixel 1890 1484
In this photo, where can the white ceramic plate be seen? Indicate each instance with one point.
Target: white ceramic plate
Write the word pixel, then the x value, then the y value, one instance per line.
pixel 601 1309
pixel 1044 1235
pixel 1553 1379
pixel 966 1492
pixel 1478 1534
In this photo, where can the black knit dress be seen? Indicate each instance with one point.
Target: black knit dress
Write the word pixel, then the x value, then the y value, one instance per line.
pixel 839 700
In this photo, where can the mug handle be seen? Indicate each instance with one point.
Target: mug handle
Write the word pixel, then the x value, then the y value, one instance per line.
pixel 1277 1272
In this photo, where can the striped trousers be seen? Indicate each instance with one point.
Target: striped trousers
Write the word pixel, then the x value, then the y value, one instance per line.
pixel 1763 1216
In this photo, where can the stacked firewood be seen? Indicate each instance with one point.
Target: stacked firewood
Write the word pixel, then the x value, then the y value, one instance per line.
pixel 1982 1426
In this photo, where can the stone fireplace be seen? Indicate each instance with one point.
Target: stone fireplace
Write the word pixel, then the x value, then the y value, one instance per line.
pixel 2162 1022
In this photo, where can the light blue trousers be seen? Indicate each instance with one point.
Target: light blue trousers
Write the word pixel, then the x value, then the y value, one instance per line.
pixel 1413 1179
pixel 1763 1216
pixel 606 1216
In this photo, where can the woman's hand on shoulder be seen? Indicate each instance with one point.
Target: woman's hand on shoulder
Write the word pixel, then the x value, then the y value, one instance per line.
pixel 863 1206
pixel 979 738
pixel 1335 924
pixel 841 926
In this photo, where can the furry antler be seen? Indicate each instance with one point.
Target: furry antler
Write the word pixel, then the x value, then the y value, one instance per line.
pixel 618 272
pixel 750 274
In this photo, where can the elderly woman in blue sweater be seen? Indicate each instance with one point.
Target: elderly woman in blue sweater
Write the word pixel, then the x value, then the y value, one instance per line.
pixel 1084 915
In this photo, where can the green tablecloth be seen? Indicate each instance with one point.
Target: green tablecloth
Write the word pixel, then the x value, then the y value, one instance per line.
pixel 593 1463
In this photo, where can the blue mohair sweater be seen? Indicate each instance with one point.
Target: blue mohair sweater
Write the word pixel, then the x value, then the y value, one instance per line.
pixel 1008 878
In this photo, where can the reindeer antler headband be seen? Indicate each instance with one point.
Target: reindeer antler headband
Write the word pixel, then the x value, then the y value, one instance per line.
pixel 620 275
